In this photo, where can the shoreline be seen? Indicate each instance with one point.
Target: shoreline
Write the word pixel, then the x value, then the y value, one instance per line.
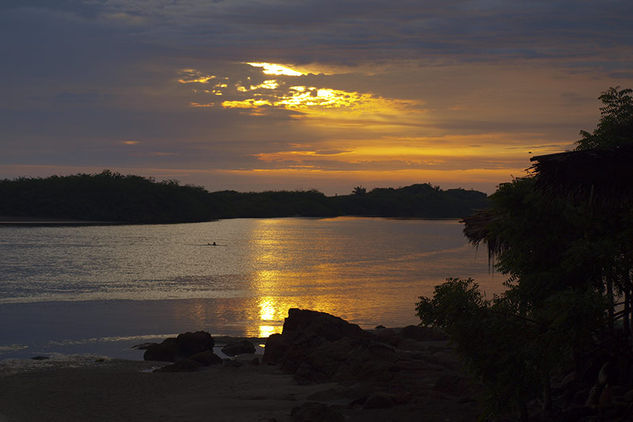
pixel 93 388
pixel 36 222
pixel 32 221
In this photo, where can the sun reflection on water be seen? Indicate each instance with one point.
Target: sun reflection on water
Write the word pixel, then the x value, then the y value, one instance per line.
pixel 276 283
pixel 268 314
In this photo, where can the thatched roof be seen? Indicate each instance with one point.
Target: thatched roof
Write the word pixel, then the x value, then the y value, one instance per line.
pixel 596 174
pixel 602 179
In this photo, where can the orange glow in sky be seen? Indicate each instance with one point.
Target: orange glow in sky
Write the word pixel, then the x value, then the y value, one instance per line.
pixel 262 96
pixel 361 134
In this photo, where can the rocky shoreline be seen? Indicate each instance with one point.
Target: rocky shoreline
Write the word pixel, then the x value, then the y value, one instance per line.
pixel 321 368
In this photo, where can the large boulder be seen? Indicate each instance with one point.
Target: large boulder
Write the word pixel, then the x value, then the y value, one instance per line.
pixel 307 323
pixel 167 351
pixel 318 347
pixel 303 332
pixel 206 358
pixel 238 348
pixel 192 343
pixel 181 347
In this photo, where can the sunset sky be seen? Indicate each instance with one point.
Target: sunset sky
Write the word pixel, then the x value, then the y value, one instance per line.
pixel 292 94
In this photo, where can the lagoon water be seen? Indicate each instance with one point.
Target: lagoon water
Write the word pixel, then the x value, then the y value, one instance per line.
pixel 101 289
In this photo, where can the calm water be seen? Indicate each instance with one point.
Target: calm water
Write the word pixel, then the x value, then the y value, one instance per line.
pixel 101 289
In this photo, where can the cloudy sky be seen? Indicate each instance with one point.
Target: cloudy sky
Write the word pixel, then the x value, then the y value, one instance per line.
pixel 301 94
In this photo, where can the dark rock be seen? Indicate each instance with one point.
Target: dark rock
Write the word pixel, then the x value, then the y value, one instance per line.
pixel 40 358
pixel 167 351
pixel 319 347
pixel 315 412
pixel 380 327
pixel 575 414
pixel 231 363
pixel 419 333
pixel 412 345
pixel 308 374
pixel 381 349
pixel 275 349
pixel 389 336
pixel 303 332
pixel 183 365
pixel 453 385
pixel 331 328
pixel 192 343
pixel 238 348
pixel 183 346
pixel 330 394
pixel 379 401
pixel 142 346
pixel 206 358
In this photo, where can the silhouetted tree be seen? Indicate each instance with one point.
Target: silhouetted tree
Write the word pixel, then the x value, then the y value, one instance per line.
pixel 359 190
pixel 110 196
pixel 615 127
pixel 564 238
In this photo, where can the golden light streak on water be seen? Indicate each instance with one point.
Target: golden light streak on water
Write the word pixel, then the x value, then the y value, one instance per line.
pixel 268 242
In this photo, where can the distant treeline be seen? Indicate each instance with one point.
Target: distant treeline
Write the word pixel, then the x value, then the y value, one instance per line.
pixel 110 196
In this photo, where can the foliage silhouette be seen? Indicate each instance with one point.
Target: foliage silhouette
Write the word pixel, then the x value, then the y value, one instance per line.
pixel 615 127
pixel 565 241
pixel 109 196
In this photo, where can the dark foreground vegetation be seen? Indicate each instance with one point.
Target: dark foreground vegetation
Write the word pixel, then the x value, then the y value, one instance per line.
pixel 109 196
pixel 557 346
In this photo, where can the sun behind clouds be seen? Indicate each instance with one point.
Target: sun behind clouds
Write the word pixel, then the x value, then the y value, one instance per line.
pixel 285 93
pixel 276 69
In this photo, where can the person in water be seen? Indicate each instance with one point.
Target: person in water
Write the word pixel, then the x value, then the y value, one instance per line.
pixel 212 244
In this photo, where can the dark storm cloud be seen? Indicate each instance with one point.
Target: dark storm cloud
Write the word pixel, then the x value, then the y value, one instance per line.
pixel 60 40
pixel 358 31
pixel 84 8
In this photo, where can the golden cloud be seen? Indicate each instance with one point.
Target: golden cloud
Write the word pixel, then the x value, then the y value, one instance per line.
pixel 190 76
pixel 307 101
pixel 276 69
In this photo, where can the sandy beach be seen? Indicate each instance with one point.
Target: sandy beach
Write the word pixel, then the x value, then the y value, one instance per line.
pixel 117 390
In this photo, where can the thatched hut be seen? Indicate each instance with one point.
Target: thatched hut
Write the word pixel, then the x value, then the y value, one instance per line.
pixel 602 176
pixel 598 184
